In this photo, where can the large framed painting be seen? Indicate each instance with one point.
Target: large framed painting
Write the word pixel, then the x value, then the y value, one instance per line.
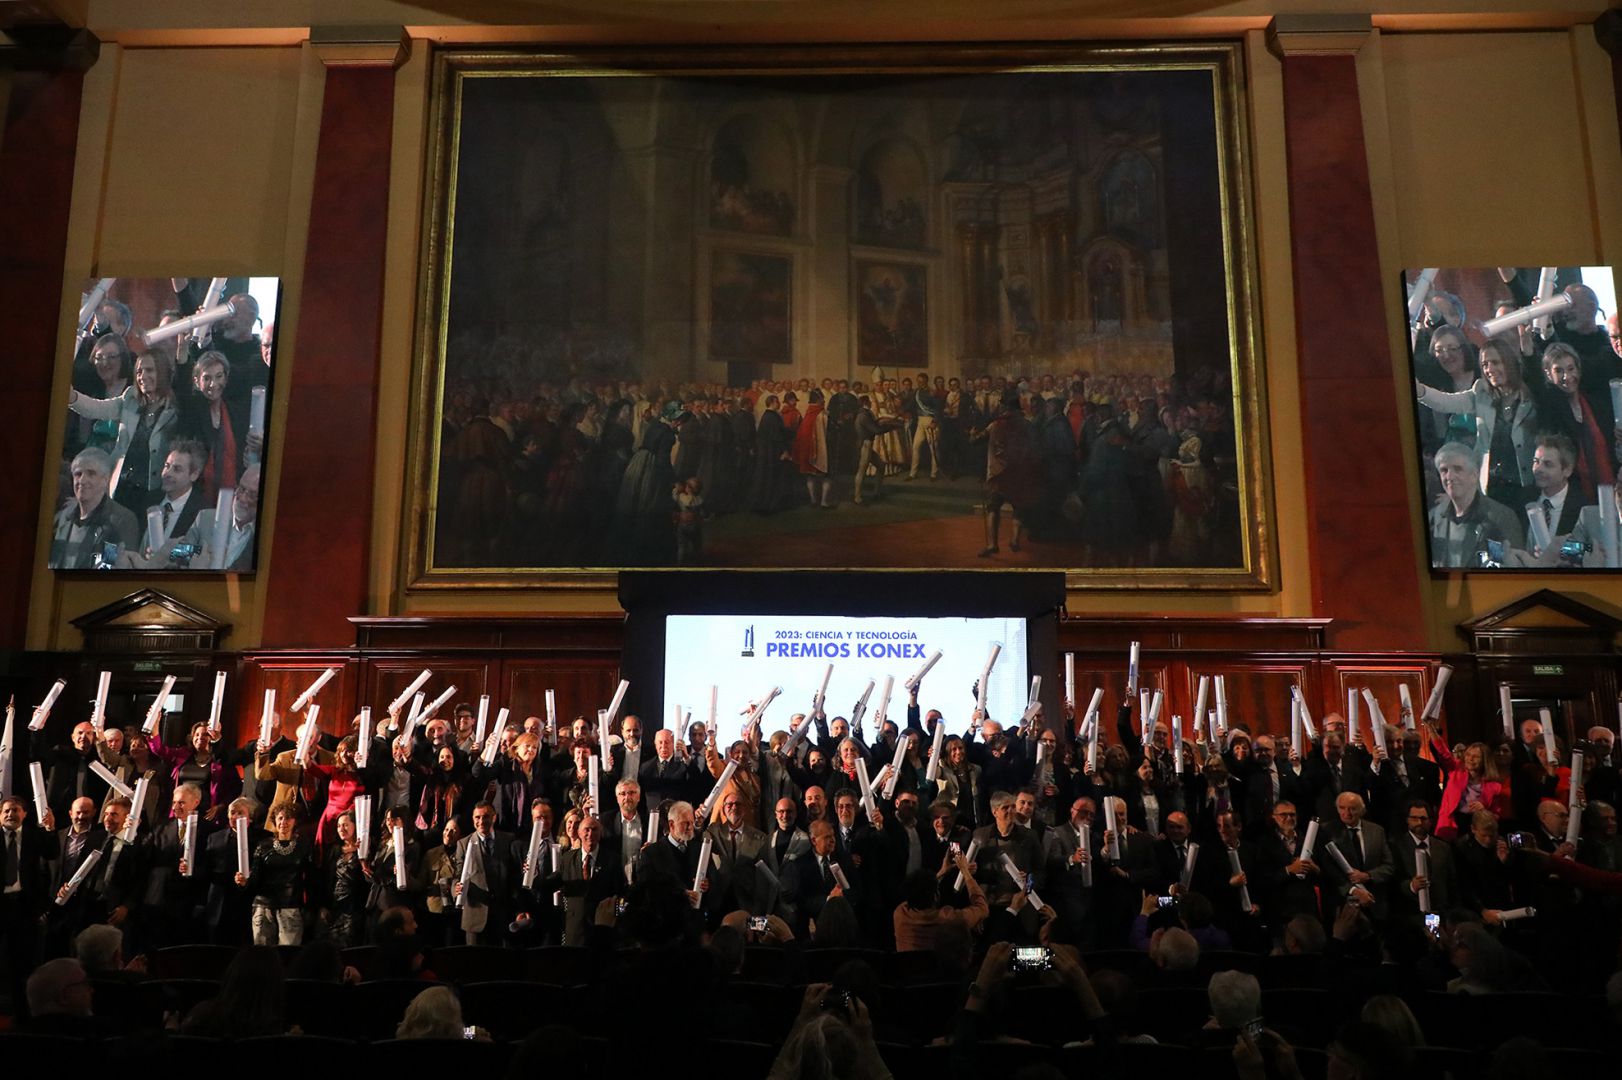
pixel 876 307
pixel 1518 396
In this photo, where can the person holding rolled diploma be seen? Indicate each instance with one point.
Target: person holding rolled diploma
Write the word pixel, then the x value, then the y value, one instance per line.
pixel 1506 418
pixel 236 535
pixel 676 855
pixel 1005 836
pixel 736 846
pixel 279 881
pixel 384 891
pixel 172 903
pixel 344 782
pixel 114 887
pixel 1229 871
pixel 228 907
pixel 73 846
pixel 1436 883
pixel 128 754
pixel 198 763
pixel 487 877
pixel 1123 868
pixel 1334 770
pixel 24 887
pixel 1357 866
pixel 297 785
pixel 1287 869
pixel 586 874
pixel 1070 865
pixel 816 876
pixel 339 888
pixel 959 782
pixel 520 779
pixel 668 775
pixel 1543 776
pixel 1554 507
pixel 67 767
pixel 745 782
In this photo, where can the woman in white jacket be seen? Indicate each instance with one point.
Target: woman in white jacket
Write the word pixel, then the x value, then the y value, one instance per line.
pixel 146 416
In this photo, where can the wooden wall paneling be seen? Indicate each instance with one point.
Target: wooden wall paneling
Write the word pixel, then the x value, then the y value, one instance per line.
pixel 290 676
pixel 1093 672
pixel 580 687
pixel 1258 690
pixel 1383 678
pixel 472 676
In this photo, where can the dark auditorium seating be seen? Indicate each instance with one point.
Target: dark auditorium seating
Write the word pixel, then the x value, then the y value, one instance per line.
pixel 1170 1013
pixel 768 963
pixel 476 963
pixel 192 961
pixel 819 965
pixel 363 958
pixel 339 1057
pixel 181 995
pixel 414 1057
pixel 511 1010
pixel 560 965
pixel 320 1008
pixel 1133 963
pixel 378 1005
pixel 50 1055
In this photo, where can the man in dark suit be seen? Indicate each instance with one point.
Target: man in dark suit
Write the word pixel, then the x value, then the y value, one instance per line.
pixel 666 777
pixel 490 881
pixel 1288 875
pixel 624 830
pixel 24 880
pixel 625 757
pixel 1268 780
pixel 1171 853
pixel 1227 888
pixel 1328 774
pixel 1067 859
pixel 73 845
pixel 1005 836
pixel 587 875
pixel 229 906
pixel 1402 777
pixel 814 878
pixel 119 877
pixel 676 855
pixel 1118 884
pixel 68 768
pixel 178 505
pixel 1441 879
pixel 172 903
pixel 1367 875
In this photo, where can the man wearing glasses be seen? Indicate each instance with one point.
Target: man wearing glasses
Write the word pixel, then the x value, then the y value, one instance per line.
pixel 1439 884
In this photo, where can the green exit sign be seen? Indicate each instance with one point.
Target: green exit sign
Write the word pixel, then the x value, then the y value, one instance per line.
pixel 1548 669
pixel 147 665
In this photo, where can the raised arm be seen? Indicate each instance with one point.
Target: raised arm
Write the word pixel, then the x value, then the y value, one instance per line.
pixel 1444 401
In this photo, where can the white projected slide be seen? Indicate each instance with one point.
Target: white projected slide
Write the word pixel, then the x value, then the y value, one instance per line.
pixel 747 655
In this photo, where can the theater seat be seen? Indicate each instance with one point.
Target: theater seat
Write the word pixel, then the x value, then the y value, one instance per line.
pixel 477 963
pixel 1170 1014
pixel 915 966
pixel 732 1057
pixel 363 958
pixel 510 1010
pixel 1305 1016
pixel 819 965
pixel 1132 963
pixel 767 963
pixel 925 1009
pixel 341 1056
pixel 459 1057
pixel 50 1055
pixel 192 961
pixel 182 995
pixel 1435 1062
pixel 132 1005
pixel 560 965
pixel 378 1006
pixel 321 1008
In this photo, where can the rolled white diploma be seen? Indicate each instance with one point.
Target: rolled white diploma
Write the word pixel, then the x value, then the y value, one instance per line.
pixel 895 764
pixel 398 836
pixel 1185 876
pixel 42 711
pixel 214 295
pixel 968 857
pixel 189 850
pixel 1297 736
pixel 1407 706
pixel 1132 668
pixel 552 717
pixel 1351 717
pixel 1546 280
pixel 935 746
pixel 1309 841
pixel 1422 867
pixel 1070 680
pixel 532 859
pixel 985 674
pixel 413 717
pixel 1244 890
pixel 467 867
pixel 1548 736
pixel 1155 704
pixel 714 694
pixel 200 320
pixel 883 710
pixel 1034 701
pixel 839 876
pixel 1376 718
pixel 244 863
pixel 1201 696
pixel 594 784
pixel 98 711
pixel 618 699
pixel 1422 288
pixel 215 705
pixel 36 777
pixel 93 299
pixel 79 875
pixel 112 781
pixel 256 411
pixel 1340 860
pixel 918 676
pixel 412 688
pixel 267 720
pixel 1557 303
pixel 363 826
pixel 1306 713
pixel 653 827
pixel 224 510
pixel 1014 872
pixel 794 737
pixel 1608 523
pixel 1177 742
pixel 1084 843
pixel 1574 823
pixel 682 726
pixel 306 735
pixel 483 719
pixel 1092 750
pixel 154 530
pixel 137 801
pixel 860 708
pixel 603 733
pixel 1091 715
pixel 760 710
pixel 704 871
pixel 1506 710
pixel 1517 913
pixel 869 806
pixel 721 782
pixel 1222 705
pixel 430 710
pixel 1433 704
pixel 154 712
pixel 818 698
pixel 1114 851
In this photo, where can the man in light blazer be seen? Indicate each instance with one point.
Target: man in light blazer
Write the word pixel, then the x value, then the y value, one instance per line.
pixel 485 909
pixel 1363 845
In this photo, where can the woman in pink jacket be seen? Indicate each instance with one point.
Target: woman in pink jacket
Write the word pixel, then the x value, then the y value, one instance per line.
pixel 1472 784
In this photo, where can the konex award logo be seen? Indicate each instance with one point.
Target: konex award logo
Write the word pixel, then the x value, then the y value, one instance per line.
pixel 749 642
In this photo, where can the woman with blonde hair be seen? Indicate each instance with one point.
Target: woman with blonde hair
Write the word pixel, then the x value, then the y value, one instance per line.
pixel 1472 783
pixel 1390 1012
pixel 1506 418
pixel 433 1014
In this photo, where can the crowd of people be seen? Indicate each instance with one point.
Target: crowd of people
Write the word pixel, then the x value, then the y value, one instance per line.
pixel 1520 433
pixel 1453 862
pixel 155 433
pixel 589 471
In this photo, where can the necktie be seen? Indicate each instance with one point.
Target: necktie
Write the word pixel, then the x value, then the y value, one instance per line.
pixel 13 860
pixel 827 875
pixel 585 868
pixel 1182 854
pixel 168 515
pixel 75 844
pixel 1274 771
pixel 1357 844
pixel 1548 514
